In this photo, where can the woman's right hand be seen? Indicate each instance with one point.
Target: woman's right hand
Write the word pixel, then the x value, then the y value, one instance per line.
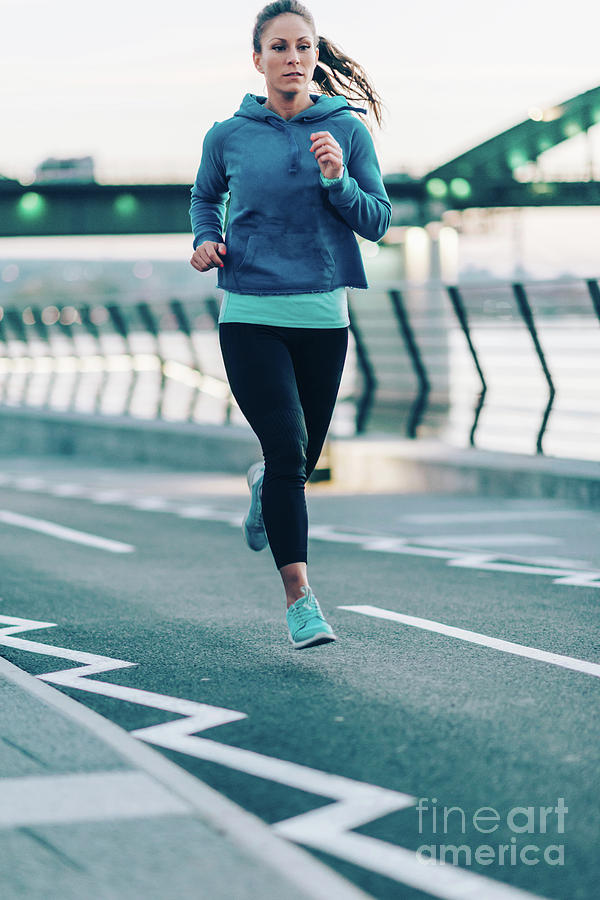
pixel 206 256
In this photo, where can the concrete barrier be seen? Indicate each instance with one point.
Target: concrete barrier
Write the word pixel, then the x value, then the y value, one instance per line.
pixel 370 463
pixel 410 466
pixel 122 439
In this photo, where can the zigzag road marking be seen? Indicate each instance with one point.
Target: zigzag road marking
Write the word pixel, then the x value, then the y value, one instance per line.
pixel 489 562
pixel 326 829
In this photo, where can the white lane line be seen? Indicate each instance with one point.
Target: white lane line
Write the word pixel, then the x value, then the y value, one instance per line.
pixel 483 540
pixel 519 515
pixel 198 511
pixel 84 797
pixel 68 489
pixel 357 803
pixel 108 496
pixel 30 484
pixel 573 573
pixel 64 534
pixel 210 514
pixel 151 504
pixel 556 659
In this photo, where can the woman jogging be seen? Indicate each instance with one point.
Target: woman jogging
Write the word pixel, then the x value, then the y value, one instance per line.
pixel 302 176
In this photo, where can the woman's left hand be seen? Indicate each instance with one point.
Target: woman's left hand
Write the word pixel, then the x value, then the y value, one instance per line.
pixel 328 154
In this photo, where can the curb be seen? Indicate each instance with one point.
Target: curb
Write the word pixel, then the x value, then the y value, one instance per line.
pixel 178 445
pixel 243 829
pixel 370 463
pixel 405 466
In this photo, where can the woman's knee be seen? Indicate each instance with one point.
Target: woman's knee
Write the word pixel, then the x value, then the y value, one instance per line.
pixel 287 458
pixel 285 448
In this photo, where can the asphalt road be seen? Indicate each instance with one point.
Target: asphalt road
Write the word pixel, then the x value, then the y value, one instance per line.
pixel 464 681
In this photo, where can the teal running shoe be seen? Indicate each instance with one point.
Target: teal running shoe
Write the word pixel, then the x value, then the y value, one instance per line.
pixel 254 527
pixel 306 624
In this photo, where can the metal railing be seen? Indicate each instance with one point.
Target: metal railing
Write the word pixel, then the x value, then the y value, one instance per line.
pixel 497 365
pixel 150 360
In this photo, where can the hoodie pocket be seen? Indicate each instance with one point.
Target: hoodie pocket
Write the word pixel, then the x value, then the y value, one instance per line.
pixel 285 262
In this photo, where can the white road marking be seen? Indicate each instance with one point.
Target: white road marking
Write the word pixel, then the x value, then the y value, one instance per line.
pixel 326 828
pixel 68 489
pixel 519 515
pixel 198 511
pixel 64 534
pixel 84 797
pixel 446 881
pixel 30 484
pixel 556 569
pixel 483 540
pixel 151 504
pixel 571 573
pixel 233 823
pixel 108 496
pixel 556 659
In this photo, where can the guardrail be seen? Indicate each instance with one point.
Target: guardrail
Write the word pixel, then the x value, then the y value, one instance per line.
pixel 497 365
pixel 151 360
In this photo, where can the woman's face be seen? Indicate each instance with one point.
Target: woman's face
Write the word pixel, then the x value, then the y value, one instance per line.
pixel 288 54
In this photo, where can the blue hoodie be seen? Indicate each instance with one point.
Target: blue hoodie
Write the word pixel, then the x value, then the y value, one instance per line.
pixel 288 231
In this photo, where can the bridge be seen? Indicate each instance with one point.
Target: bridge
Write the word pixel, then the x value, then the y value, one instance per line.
pixel 487 176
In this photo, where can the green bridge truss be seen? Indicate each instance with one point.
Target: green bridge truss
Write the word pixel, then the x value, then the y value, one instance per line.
pixel 483 177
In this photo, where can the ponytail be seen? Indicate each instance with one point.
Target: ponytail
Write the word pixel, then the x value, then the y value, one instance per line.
pixel 336 74
pixel 345 77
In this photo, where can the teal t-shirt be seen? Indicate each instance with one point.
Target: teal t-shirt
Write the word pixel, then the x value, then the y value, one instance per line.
pixel 323 310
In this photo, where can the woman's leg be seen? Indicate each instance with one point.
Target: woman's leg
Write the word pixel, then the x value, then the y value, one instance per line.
pixel 319 357
pixel 286 383
pixel 261 375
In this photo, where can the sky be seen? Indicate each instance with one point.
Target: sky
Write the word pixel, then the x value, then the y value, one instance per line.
pixel 137 84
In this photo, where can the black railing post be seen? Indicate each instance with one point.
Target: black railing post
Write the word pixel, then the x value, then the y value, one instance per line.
pixel 14 320
pixel 420 402
pixel 461 314
pixel 43 333
pixel 213 309
pixel 90 326
pixel 149 322
pixel 7 356
pixel 363 407
pixel 594 294
pixel 67 330
pixel 183 323
pixel 120 325
pixel 527 316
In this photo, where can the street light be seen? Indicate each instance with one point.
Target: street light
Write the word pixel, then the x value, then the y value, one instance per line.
pixel 31 205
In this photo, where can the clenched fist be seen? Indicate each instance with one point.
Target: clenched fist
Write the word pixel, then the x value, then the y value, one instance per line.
pixel 328 154
pixel 208 256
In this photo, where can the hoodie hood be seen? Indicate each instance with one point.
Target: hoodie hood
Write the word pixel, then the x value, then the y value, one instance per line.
pixel 253 107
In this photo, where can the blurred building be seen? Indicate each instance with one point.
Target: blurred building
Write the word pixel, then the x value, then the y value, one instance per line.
pixel 76 169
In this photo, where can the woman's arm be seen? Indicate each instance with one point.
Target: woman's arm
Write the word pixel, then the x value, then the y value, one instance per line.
pixel 359 196
pixel 209 193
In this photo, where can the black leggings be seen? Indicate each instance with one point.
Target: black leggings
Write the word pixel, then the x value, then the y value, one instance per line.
pixel 285 381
